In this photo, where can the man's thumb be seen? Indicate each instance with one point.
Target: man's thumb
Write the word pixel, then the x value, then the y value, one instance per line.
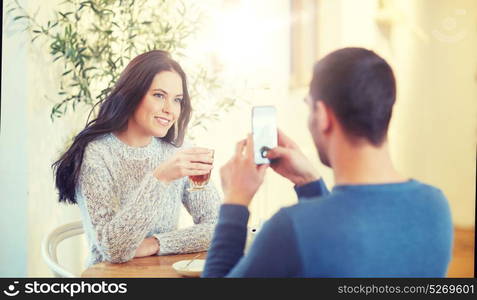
pixel 275 153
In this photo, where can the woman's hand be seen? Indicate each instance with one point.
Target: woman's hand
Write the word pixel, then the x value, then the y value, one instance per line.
pixel 149 246
pixel 241 177
pixel 187 162
pixel 290 162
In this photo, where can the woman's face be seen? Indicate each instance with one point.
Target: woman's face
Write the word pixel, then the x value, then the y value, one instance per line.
pixel 160 107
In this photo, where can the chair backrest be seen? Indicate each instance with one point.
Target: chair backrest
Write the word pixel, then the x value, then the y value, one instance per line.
pixel 50 243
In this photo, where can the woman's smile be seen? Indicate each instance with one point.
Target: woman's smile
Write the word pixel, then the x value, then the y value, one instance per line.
pixel 163 121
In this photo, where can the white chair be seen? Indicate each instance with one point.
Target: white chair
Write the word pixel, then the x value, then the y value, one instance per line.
pixel 50 243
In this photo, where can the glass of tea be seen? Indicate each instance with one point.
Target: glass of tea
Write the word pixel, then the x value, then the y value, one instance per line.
pixel 198 182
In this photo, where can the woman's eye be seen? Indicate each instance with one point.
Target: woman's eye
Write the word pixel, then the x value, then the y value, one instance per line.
pixel 159 96
pixel 179 100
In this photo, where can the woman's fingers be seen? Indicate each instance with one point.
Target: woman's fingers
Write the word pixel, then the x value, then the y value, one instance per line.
pixel 195 172
pixel 197 150
pixel 203 158
pixel 199 166
pixel 192 168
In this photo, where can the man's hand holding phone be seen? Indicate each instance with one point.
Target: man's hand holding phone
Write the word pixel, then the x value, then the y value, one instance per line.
pixel 288 161
pixel 240 176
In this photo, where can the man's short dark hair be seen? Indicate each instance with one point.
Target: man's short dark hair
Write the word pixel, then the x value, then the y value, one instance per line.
pixel 359 87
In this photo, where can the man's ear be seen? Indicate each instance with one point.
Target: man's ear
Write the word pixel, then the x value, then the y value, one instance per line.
pixel 323 116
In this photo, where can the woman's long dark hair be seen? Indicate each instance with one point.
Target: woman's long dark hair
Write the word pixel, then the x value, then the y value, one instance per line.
pixel 115 112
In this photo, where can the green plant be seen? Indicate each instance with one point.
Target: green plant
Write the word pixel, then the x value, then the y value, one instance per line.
pixel 94 40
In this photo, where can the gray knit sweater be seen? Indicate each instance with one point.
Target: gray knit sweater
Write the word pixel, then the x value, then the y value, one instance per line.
pixel 122 203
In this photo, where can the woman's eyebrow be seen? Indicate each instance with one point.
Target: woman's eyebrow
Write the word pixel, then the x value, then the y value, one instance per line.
pixel 161 90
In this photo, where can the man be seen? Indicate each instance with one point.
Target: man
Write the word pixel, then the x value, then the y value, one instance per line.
pixel 374 222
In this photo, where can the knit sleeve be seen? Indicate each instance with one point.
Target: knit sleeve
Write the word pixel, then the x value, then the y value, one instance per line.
pixel 203 206
pixel 117 230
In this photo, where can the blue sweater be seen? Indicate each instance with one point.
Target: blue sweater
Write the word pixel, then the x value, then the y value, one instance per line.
pixel 378 230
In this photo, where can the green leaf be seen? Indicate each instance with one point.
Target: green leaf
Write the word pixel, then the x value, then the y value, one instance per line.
pixel 19 17
pixel 65 15
pixel 89 69
pixel 67 72
pixel 105 11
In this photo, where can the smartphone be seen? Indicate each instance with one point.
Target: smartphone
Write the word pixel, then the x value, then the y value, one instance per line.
pixel 264 132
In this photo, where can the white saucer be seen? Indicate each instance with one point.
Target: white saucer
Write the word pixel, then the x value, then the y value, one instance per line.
pixel 194 269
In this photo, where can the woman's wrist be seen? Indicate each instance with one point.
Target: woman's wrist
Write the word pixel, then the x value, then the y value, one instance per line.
pixel 160 175
pixel 149 246
pixel 157 244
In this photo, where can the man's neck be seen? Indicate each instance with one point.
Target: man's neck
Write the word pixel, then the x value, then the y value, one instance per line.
pixel 363 164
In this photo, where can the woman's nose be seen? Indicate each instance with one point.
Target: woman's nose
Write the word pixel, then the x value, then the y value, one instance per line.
pixel 167 105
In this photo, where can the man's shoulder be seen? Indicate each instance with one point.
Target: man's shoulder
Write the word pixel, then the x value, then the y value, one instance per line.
pixel 309 209
pixel 427 194
pixel 337 201
pixel 428 188
pixel 432 199
pixel 359 202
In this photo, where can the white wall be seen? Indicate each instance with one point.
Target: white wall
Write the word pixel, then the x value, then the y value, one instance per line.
pixel 432 48
pixel 30 143
pixel 13 153
pixel 46 141
pixel 436 117
pixel 254 56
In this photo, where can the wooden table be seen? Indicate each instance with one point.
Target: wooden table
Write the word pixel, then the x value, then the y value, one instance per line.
pixel 462 264
pixel 151 266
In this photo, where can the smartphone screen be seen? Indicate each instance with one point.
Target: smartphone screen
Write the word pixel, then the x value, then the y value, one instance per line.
pixel 264 132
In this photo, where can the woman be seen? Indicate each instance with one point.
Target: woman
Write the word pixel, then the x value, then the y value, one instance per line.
pixel 128 173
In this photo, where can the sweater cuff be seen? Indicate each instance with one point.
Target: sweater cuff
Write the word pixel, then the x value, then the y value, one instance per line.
pixel 313 189
pixel 233 214
pixel 165 242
